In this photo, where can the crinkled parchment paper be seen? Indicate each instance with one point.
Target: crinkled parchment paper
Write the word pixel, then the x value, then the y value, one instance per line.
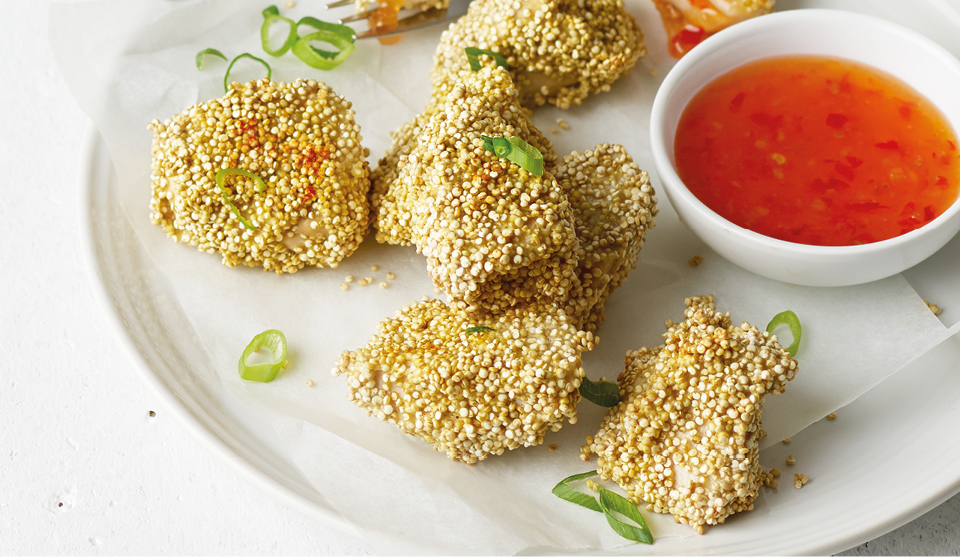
pixel 129 62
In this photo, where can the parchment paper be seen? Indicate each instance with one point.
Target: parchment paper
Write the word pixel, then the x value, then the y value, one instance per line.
pixel 129 62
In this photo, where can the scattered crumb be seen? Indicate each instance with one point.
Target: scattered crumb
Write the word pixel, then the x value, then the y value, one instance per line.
pixel 778 158
pixel 832 416
pixel 551 448
pixel 309 382
pixel 654 72
pixel 349 279
pixel 391 276
pixel 563 124
pixel 364 281
pixel 695 260
pixel 799 480
pixel 934 308
pixel 554 130
pixel 437 291
pixel 60 504
pixel 344 286
pixel 775 472
pixel 786 441
pixel 290 4
pixel 374 268
pixel 791 460
pixel 593 485
pixel 152 414
pixel 383 284
pixel 424 298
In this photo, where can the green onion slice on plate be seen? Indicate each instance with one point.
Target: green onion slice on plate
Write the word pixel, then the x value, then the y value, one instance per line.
pixel 272 15
pixel 611 503
pixel 221 176
pixel 210 52
pixel 790 320
pixel 474 54
pixel 339 36
pixel 274 341
pixel 601 393
pixel 226 77
pixel 517 150
pixel 567 493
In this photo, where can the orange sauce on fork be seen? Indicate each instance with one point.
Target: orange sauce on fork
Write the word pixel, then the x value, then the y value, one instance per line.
pixel 817 150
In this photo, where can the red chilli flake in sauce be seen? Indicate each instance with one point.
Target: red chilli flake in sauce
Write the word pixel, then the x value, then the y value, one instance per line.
pixel 817 150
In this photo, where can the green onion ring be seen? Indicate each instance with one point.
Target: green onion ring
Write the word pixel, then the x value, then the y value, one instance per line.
pixel 264 373
pixel 474 53
pixel 270 16
pixel 340 36
pixel 601 393
pixel 474 330
pixel 221 175
pixel 567 493
pixel 515 149
pixel 791 321
pixel 226 77
pixel 612 502
pixel 210 51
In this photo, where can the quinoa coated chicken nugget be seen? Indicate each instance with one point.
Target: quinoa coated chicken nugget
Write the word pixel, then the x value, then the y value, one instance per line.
pixel 472 385
pixel 558 51
pixel 301 139
pixel 614 206
pixel 494 234
pixel 685 435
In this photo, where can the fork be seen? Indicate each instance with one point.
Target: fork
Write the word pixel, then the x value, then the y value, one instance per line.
pixel 418 19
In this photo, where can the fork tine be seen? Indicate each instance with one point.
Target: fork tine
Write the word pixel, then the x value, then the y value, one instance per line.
pixel 357 16
pixel 339 3
pixel 421 19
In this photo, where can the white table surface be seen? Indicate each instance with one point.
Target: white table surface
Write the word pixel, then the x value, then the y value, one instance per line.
pixel 84 468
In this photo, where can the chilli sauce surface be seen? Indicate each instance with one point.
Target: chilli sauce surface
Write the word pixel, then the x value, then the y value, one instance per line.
pixel 817 150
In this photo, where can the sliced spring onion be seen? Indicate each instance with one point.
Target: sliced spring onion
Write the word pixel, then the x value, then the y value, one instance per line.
pixel 790 320
pixel 270 16
pixel 473 330
pixel 474 54
pixel 272 340
pixel 567 493
pixel 221 175
pixel 517 150
pixel 211 52
pixel 226 77
pixel 339 36
pixel 611 503
pixel 601 393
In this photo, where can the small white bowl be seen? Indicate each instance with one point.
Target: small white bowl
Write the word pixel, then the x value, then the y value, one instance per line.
pixel 907 55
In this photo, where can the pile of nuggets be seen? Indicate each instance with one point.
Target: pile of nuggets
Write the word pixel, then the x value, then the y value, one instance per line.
pixel 527 260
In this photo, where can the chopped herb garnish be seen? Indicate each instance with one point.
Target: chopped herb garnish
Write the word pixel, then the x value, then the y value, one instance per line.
pixel 473 330
pixel 474 53
pixel 340 36
pixel 611 503
pixel 272 340
pixel 226 77
pixel 601 393
pixel 517 150
pixel 790 320
pixel 270 16
pixel 211 52
pixel 567 493
pixel 219 178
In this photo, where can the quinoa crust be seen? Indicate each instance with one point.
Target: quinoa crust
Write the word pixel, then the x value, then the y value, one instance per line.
pixel 472 385
pixel 685 436
pixel 301 139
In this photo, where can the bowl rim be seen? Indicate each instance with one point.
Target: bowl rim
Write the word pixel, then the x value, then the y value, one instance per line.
pixel 666 168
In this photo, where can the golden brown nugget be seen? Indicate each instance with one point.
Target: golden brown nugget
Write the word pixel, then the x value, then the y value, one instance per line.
pixel 301 139
pixel 472 385
pixel 558 51
pixel 685 435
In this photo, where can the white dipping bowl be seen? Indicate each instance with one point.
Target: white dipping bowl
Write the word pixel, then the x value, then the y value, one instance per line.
pixel 903 53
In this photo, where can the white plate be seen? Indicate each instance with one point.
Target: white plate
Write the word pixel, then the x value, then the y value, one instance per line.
pixel 889 457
